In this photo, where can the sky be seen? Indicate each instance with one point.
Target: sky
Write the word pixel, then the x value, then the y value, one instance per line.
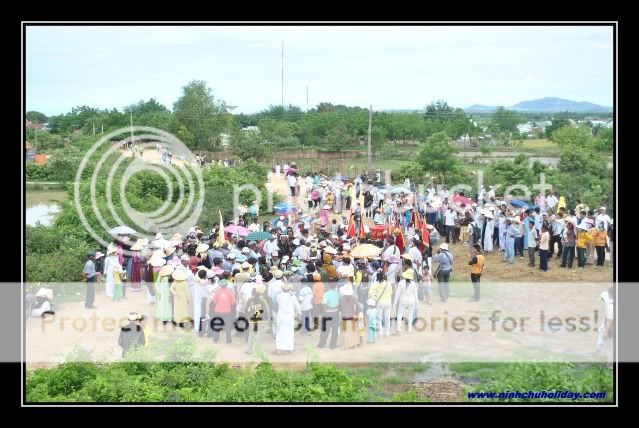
pixel 390 67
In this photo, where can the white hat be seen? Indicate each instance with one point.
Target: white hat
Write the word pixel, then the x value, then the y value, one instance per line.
pixel 444 246
pixel 346 290
pixel 474 204
pixel 166 270
pixel 246 265
pixel 285 258
pixel 282 217
pixel 185 258
pixel 230 256
pixel 583 225
pixel 158 236
pixel 326 207
pixel 296 241
pixel 179 275
pixel 278 274
pixel 98 255
pixel 274 254
pixel 134 316
pixel 322 244
pixel 246 250
pixel 201 248
pixel 603 208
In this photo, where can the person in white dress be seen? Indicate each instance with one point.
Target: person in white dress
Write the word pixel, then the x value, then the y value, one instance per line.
pixel 288 308
pixel 109 264
pixel 488 233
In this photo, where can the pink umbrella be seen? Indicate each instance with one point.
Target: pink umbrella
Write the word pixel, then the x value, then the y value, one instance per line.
pixel 461 200
pixel 237 230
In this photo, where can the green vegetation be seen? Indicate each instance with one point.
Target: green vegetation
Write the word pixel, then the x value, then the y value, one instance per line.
pixel 538 377
pixel 212 382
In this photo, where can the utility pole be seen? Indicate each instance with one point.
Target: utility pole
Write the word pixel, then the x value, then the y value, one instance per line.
pixel 282 73
pixel 102 131
pixel 306 98
pixel 370 123
pixel 93 123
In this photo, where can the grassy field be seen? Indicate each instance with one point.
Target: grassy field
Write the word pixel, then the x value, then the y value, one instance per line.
pixel 537 143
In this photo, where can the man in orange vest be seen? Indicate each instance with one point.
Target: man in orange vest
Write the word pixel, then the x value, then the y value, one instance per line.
pixel 476 268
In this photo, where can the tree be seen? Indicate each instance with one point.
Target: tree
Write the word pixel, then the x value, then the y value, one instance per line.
pixel 247 145
pixel 506 120
pixel 36 117
pixel 203 116
pixel 569 136
pixel 338 137
pixel 555 125
pixel 438 157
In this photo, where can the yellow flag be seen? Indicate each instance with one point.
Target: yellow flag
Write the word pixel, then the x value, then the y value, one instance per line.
pixel 221 237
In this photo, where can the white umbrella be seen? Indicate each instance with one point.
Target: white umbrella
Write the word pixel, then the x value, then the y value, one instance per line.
pixel 122 230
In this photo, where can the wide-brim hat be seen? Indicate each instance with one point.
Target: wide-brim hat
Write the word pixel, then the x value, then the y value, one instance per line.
pixel 407 256
pixel 134 316
pixel 179 275
pixel 166 270
pixel 278 274
pixel 176 237
pixel 346 290
pixel 137 246
pixel 169 251
pixel 202 248
pixel 157 260
pixel 286 286
pixel 444 246
pixel 158 236
pixel 111 249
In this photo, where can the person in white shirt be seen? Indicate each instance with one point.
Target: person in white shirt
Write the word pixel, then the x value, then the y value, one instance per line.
pixel 406 299
pixel 551 202
pixel 602 217
pixel 306 305
pixel 449 222
pixel 292 184
pixel 605 329
pixel 491 194
pixel 271 247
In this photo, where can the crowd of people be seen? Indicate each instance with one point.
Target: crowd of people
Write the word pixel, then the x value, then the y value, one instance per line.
pixel 313 269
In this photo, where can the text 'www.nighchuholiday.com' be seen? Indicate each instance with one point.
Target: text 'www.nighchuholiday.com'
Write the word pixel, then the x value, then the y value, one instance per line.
pixel 556 395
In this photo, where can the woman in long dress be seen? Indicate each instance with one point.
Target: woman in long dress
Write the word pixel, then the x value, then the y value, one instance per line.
pixel 136 278
pixel 163 310
pixel 488 234
pixel 180 291
pixel 348 307
pixel 288 308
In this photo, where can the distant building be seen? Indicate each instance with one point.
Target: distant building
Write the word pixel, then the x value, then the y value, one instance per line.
pixel 251 129
pixel 31 125
pixel 29 152
pixel 525 128
pixel 606 123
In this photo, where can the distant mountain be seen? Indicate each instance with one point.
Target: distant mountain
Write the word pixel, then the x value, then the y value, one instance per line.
pixel 479 108
pixel 547 105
